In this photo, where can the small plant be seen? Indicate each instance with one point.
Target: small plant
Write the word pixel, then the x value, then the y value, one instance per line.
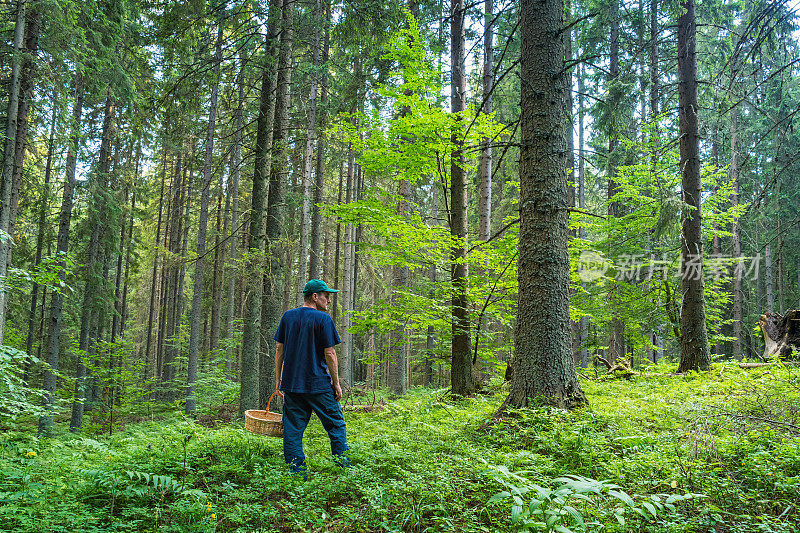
pixel 577 504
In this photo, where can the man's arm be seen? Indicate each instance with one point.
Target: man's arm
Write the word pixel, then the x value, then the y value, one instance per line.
pixel 333 370
pixel 278 366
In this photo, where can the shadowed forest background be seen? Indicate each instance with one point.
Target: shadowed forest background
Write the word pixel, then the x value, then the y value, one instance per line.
pixel 543 219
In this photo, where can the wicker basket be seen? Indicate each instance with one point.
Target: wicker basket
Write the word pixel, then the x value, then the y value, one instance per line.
pixel 264 422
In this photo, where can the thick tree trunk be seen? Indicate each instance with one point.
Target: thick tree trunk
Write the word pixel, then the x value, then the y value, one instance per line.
pixel 32 24
pixel 461 378
pixel 253 274
pixel 265 161
pixel 276 201
pixel 543 366
pixel 694 338
pixel 7 177
pixel 62 248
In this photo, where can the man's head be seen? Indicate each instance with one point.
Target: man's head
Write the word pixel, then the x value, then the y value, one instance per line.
pixel 317 294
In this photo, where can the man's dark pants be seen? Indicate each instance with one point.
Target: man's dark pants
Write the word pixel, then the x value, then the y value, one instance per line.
pixel 297 409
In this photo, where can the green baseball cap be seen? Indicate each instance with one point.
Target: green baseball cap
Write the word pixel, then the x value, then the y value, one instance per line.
pixel 317 285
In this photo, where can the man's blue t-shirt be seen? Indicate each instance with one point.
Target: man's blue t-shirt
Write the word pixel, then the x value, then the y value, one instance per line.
pixel 305 333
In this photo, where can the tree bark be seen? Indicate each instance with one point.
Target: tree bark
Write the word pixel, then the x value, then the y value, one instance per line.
pixel 738 334
pixel 616 327
pixel 308 164
pixel 251 336
pixel 91 308
pixel 543 365
pixel 315 265
pixel 220 249
pixel 43 208
pixel 461 378
pixel 197 294
pixel 62 248
pixel 346 356
pixel 583 325
pixel 768 282
pixel 694 337
pixel 276 201
pixel 485 201
pixel 6 185
pixel 233 196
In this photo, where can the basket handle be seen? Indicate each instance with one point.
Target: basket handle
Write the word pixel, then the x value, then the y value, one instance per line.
pixel 270 401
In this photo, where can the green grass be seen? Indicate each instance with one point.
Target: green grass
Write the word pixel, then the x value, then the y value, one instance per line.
pixel 426 464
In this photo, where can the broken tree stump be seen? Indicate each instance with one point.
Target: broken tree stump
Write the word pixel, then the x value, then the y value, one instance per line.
pixel 781 334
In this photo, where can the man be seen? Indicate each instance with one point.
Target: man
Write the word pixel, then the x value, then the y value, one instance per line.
pixel 307 375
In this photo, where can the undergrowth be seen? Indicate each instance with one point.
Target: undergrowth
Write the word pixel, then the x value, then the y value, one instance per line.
pixel 704 452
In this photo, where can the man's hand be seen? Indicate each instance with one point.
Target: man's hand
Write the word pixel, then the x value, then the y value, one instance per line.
pixel 280 392
pixel 337 391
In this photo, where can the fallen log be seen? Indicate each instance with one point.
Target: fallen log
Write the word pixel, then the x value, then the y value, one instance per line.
pixel 754 365
pixel 781 334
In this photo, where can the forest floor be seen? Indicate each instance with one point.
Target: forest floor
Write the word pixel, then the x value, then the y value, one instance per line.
pixel 718 452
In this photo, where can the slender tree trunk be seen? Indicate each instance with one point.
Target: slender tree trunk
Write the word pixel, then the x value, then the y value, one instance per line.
pixel 117 314
pixel 616 334
pixel 27 79
pixel 43 208
pixel 216 282
pixel 461 378
pixel 769 284
pixel 543 366
pixel 583 326
pixel 738 334
pixel 485 200
pixel 128 251
pixel 6 185
pixel 401 278
pixel 656 339
pixel 694 338
pixel 62 249
pixel 91 308
pixel 316 215
pixel 165 354
pixel 308 163
pixel 345 359
pixel 335 301
pixel 430 341
pixel 197 294
pixel 233 195
pixel 251 337
pixel 154 270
